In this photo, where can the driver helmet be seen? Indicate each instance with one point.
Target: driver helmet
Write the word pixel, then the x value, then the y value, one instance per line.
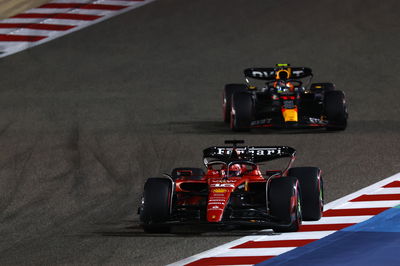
pixel 235 170
pixel 282 84
pixel 282 74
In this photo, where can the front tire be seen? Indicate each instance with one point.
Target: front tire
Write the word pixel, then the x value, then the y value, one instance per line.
pixel 229 90
pixel 156 208
pixel 285 203
pixel 311 187
pixel 241 111
pixel 335 110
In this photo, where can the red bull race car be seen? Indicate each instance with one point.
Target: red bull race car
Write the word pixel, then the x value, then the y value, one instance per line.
pixel 284 98
pixel 234 191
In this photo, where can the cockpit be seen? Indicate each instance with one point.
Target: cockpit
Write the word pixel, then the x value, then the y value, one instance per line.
pixel 230 169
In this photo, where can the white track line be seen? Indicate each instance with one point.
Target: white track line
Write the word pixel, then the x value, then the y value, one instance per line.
pixel 394 190
pixel 340 220
pixel 368 204
pixel 239 252
pixel 295 236
pixel 70 11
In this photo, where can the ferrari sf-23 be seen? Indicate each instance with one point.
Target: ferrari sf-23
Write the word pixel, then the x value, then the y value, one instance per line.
pixel 234 192
pixel 283 98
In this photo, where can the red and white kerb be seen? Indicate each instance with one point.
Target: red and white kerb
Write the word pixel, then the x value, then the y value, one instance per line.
pixel 55 19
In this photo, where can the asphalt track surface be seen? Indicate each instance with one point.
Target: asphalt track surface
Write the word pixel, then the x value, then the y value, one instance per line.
pixel 85 119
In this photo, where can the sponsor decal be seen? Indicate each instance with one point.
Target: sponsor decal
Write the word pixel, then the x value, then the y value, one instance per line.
pixel 220 190
pixel 316 121
pixel 216 203
pixel 222 185
pixel 262 74
pixel 261 122
pixel 290 115
pixel 224 181
pixel 214 208
pixel 254 151
pixel 217 199
pixel 297 72
pixel 288 104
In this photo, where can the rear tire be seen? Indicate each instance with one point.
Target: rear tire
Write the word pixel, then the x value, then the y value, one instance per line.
pixel 229 90
pixel 335 110
pixel 285 203
pixel 311 191
pixel 156 208
pixel 241 111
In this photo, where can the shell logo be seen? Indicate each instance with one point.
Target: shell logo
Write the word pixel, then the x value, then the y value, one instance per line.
pixel 219 190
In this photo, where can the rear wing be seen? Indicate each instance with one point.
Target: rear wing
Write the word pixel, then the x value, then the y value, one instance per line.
pixel 269 73
pixel 253 154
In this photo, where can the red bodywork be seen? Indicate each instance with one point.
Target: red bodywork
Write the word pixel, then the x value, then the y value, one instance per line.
pixel 220 186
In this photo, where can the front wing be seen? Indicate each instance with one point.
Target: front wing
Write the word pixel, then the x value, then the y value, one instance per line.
pixel 307 122
pixel 251 218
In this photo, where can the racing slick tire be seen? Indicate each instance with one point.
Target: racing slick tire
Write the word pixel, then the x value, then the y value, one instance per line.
pixel 285 203
pixel 195 173
pixel 321 87
pixel 335 110
pixel 241 111
pixel 229 90
pixel 311 188
pixel 156 208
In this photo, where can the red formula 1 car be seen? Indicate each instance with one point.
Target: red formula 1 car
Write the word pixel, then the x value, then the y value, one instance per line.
pixel 234 191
